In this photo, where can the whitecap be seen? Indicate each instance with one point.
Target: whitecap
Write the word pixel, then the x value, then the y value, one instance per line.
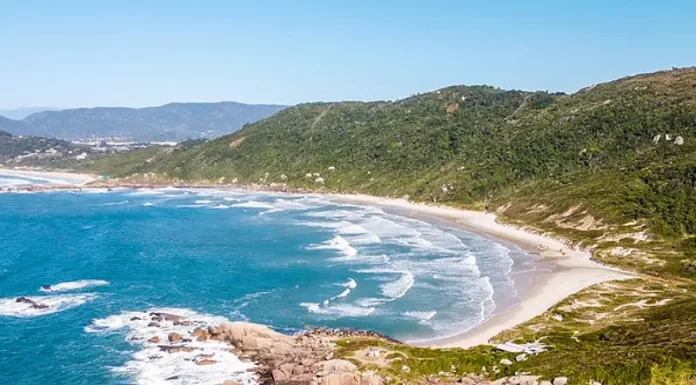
pixel 56 303
pixel 253 205
pixel 337 243
pixel 203 202
pixel 147 204
pixel 421 316
pixel 338 310
pixel 74 285
pixel 150 365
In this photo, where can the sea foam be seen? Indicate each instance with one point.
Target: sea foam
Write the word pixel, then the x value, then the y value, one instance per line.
pixel 150 365
pixel 74 285
pixel 56 303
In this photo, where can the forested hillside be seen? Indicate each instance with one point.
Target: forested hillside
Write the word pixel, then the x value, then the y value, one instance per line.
pixel 480 146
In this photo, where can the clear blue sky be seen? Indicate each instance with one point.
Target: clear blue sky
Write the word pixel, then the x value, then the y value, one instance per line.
pixel 137 53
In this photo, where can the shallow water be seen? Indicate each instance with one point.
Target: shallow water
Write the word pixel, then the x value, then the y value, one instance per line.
pixel 283 260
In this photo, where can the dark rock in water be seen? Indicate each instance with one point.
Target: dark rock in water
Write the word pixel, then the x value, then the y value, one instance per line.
pixel 182 323
pixel 168 316
pixel 34 304
pixel 46 287
pixel 175 349
pixel 153 325
pixel 136 319
pixel 172 378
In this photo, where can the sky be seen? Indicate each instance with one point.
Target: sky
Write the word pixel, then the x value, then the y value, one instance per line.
pixel 140 53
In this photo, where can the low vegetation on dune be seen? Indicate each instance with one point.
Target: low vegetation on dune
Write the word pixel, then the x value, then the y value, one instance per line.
pixel 611 167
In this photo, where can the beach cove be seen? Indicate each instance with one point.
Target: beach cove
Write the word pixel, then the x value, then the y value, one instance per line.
pixel 572 272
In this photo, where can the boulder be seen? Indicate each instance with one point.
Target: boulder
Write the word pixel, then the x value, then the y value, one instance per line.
pixel 34 304
pixel 154 340
pixel 136 319
pixel 167 316
pixel 505 362
pixel 175 349
pixel 405 369
pixel 299 369
pixel 236 331
pixel 230 382
pixel 279 375
pixel 332 366
pixel 593 382
pixel 545 383
pixel 204 362
pixel 287 368
pixel 174 337
pixel 521 357
pixel 340 379
pixel 560 381
pixel 153 325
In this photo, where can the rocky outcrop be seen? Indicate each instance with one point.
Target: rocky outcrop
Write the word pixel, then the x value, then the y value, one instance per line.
pixel 34 304
pixel 307 358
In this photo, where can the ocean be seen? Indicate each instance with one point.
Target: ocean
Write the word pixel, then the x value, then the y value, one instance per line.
pixel 108 258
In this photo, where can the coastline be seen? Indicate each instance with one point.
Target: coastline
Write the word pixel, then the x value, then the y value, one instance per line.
pixel 571 269
pixel 73 177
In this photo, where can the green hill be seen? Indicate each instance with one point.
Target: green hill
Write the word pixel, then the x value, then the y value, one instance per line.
pixel 479 146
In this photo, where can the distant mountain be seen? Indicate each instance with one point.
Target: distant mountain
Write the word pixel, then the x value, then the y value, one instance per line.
pixel 23 112
pixel 171 122
pixel 12 126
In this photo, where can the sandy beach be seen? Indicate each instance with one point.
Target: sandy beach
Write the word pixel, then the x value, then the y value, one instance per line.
pixel 59 176
pixel 573 269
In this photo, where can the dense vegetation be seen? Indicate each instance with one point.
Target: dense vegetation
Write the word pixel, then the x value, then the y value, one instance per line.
pixel 612 166
pixel 175 121
pixel 481 145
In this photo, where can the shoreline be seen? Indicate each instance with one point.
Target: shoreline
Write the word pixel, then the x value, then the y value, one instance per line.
pixel 74 177
pixel 571 271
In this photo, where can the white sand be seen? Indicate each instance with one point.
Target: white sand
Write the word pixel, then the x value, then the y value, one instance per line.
pixel 57 176
pixel 573 272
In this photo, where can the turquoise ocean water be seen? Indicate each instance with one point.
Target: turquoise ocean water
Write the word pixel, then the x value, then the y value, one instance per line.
pixel 283 260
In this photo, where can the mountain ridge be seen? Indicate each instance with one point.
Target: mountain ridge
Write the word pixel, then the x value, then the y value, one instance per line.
pixel 169 122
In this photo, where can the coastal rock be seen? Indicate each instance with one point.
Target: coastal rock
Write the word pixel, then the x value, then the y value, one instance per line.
pixel 34 304
pixel 136 319
pixel 167 316
pixel 204 362
pixel 279 375
pixel 560 381
pixel 174 337
pixel 153 325
pixel 200 334
pixel 175 349
pixel 505 362
pixel 340 379
pixel 154 340
pixel 339 366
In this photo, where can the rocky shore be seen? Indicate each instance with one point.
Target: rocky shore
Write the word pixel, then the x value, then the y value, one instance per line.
pixel 312 357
